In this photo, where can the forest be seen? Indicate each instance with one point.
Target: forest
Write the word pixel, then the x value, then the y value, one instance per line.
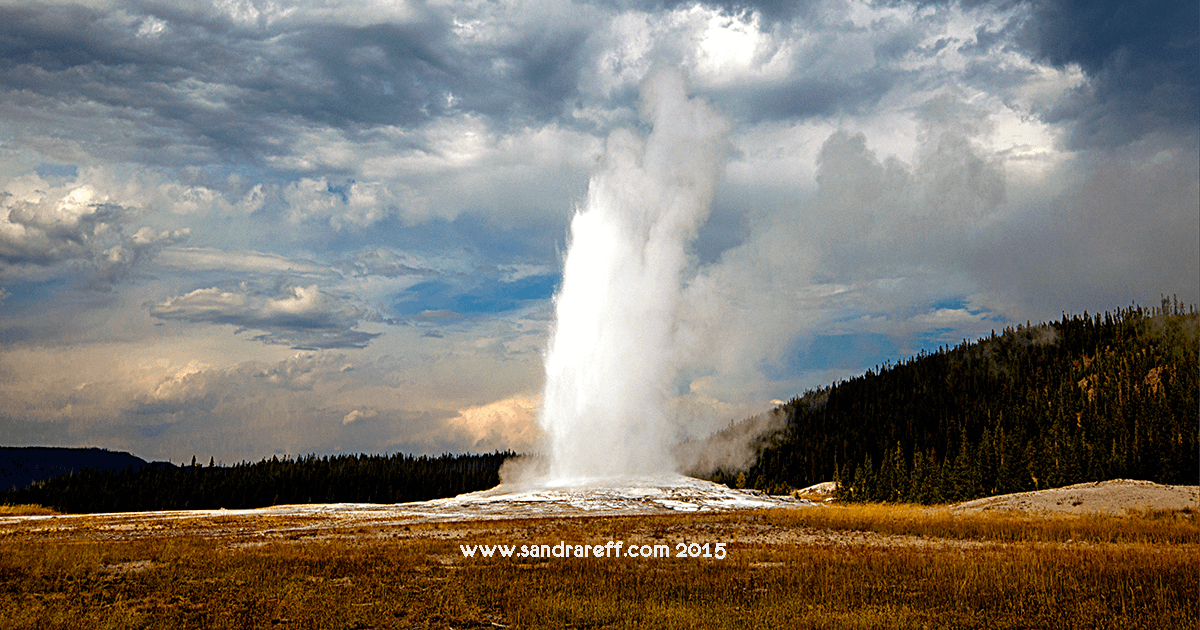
pixel 1086 398
pixel 309 479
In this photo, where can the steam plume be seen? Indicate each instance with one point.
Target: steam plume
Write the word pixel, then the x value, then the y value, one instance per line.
pixel 609 367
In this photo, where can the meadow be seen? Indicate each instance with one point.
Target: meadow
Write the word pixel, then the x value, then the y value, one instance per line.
pixel 860 566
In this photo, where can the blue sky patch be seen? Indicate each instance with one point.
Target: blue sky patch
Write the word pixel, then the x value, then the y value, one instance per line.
pixel 833 352
pixel 480 299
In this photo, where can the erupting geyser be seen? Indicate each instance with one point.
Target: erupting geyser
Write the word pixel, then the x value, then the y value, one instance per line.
pixel 610 365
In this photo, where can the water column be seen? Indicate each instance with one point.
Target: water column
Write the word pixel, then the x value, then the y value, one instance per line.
pixel 610 365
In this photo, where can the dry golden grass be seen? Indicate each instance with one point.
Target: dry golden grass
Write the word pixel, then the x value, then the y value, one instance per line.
pixel 1162 526
pixel 1130 572
pixel 27 509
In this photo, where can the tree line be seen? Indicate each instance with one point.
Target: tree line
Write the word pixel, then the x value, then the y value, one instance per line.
pixel 307 479
pixel 1086 398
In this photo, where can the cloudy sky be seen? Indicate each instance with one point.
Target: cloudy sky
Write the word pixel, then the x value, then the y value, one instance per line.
pixel 242 228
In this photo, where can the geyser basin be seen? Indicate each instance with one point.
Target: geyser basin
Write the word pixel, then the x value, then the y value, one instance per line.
pixel 607 496
pixel 626 494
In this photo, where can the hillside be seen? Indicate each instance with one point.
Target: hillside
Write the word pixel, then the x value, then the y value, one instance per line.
pixel 1086 398
pixel 22 466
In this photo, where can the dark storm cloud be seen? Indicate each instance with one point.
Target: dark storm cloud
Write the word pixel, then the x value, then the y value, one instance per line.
pixel 1091 33
pixel 811 97
pixel 93 64
pixel 212 88
pixel 382 74
pixel 547 71
pixel 201 89
pixel 409 74
pixel 216 88
pixel 1142 59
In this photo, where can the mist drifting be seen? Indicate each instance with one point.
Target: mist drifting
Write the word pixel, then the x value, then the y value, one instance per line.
pixel 610 363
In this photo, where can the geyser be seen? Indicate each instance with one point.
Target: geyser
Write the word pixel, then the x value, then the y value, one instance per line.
pixel 610 365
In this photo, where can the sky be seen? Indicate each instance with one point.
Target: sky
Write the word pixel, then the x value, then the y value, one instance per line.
pixel 245 228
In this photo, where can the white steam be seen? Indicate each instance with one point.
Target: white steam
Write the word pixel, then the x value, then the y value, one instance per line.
pixel 610 365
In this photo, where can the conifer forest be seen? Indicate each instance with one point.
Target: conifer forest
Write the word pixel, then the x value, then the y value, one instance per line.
pixel 1086 398
pixel 309 479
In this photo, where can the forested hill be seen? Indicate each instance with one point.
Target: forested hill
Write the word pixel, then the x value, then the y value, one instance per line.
pixel 1086 398
pixel 21 466
pixel 310 479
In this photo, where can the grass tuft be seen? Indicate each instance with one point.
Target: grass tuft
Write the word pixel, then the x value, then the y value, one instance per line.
pixel 26 509
pixel 1154 527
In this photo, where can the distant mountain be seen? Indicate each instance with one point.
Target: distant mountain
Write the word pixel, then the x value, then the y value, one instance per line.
pixel 20 467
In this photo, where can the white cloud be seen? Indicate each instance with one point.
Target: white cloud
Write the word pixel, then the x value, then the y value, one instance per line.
pixel 352 205
pixel 299 316
pixel 47 230
pixel 806 267
pixel 358 414
pixel 211 259
pixel 509 424
pixel 453 165
pixel 253 12
pixel 151 27
pixel 731 44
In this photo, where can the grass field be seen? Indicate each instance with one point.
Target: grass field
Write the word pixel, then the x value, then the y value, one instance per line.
pixel 856 567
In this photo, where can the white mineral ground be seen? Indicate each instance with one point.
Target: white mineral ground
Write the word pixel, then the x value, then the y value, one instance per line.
pixel 622 496
pixel 612 496
pixel 1117 496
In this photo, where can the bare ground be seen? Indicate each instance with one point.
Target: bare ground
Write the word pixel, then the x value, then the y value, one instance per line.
pixel 1116 496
